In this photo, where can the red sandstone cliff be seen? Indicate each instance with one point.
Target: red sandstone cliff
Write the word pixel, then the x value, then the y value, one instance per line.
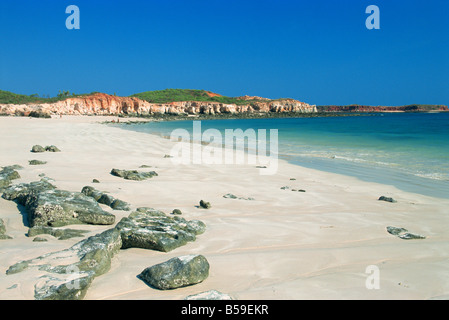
pixel 104 104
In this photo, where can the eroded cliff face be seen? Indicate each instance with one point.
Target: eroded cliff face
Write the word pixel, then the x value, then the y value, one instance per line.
pixel 104 104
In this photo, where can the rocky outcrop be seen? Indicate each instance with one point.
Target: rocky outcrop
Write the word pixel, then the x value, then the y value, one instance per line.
pixel 3 235
pixel 148 228
pixel 47 206
pixel 7 174
pixel 359 108
pixel 67 274
pixel 104 198
pixel 61 234
pixel 133 174
pixel 104 104
pixel 177 272
pixel 403 233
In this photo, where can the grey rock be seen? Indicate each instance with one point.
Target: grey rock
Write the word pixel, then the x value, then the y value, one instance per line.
pixel 20 192
pixel 7 174
pixel 95 181
pixel 176 212
pixel 3 235
pixel 209 295
pixel 177 272
pixel 52 149
pixel 118 204
pixel 69 273
pixel 59 207
pixel 387 199
pixel 205 205
pixel 403 233
pixel 148 228
pixel 232 196
pixel 133 174
pixel 47 206
pixel 61 234
pixel 36 162
pixel 39 239
pixel 104 198
pixel 37 149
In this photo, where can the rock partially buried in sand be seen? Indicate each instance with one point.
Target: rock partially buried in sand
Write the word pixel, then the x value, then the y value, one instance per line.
pixel 37 149
pixel 47 206
pixel 403 233
pixel 177 272
pixel 209 295
pixel 69 273
pixel 387 199
pixel 3 235
pixel 36 162
pixel 176 212
pixel 52 149
pixel 133 174
pixel 233 196
pixel 61 234
pixel 104 198
pixel 148 228
pixel 7 174
pixel 205 205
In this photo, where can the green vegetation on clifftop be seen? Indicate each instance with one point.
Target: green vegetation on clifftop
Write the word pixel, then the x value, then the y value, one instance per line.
pixel 171 95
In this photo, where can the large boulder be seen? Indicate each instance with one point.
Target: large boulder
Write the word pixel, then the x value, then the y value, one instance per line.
pixel 148 228
pixel 67 274
pixel 177 272
pixel 48 206
pixel 133 174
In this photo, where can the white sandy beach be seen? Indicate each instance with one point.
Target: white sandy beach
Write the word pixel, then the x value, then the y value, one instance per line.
pixel 282 245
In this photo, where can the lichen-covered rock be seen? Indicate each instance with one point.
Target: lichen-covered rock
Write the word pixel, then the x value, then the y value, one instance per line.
pixel 403 233
pixel 209 295
pixel 233 196
pixel 152 229
pixel 59 208
pixel 20 192
pixel 36 162
pixel 47 206
pixel 7 174
pixel 133 174
pixel 61 234
pixel 104 198
pixel 67 274
pixel 3 235
pixel 37 149
pixel 177 272
pixel 52 149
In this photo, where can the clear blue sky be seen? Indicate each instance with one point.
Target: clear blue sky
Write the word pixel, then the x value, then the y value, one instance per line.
pixel 317 51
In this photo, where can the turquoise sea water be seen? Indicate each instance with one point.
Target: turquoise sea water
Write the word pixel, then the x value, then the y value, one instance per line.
pixel 408 150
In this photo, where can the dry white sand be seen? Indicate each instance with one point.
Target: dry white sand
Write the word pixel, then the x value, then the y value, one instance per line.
pixel 282 245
